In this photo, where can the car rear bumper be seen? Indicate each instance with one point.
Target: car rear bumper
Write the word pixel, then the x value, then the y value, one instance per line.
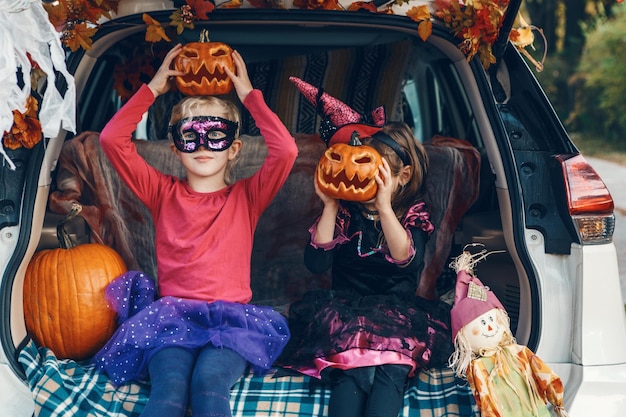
pixel 593 390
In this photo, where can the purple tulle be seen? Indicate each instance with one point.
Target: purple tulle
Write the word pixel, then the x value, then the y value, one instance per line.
pixel 257 333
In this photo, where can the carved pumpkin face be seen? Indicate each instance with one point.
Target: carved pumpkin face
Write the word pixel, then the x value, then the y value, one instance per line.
pixel 202 63
pixel 348 172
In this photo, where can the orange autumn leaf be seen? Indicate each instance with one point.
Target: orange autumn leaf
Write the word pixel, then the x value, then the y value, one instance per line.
pixel 155 32
pixel 363 5
pixel 235 4
pixel 28 133
pixel 425 29
pixel 56 14
pixel 79 37
pixel 418 13
pixel 93 12
pixel 201 8
pixel 32 106
pixel 26 130
pixel 317 4
pixel 32 136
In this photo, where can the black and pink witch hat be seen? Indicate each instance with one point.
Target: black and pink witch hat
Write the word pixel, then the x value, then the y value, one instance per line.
pixel 339 121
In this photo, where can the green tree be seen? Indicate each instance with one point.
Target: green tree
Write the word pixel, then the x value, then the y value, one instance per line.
pixel 564 24
pixel 600 105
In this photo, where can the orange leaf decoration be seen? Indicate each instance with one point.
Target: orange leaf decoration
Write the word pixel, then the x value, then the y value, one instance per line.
pixel 155 32
pixel 476 23
pixel 32 106
pixel 92 12
pixel 317 4
pixel 28 133
pixel 201 8
pixel 56 15
pixel 235 4
pixel 425 29
pixel 26 129
pixel 363 5
pixel 421 14
pixel 79 37
pixel 418 13
pixel 79 20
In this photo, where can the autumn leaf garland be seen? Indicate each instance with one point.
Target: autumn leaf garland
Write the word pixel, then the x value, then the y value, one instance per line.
pixel 476 22
pixel 77 20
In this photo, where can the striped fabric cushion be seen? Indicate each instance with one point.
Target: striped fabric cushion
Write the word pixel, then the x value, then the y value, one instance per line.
pixel 357 76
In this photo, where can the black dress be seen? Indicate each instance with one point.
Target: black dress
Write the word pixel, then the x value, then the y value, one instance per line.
pixel 371 316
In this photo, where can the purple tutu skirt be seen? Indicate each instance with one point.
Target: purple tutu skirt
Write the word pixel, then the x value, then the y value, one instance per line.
pixel 148 325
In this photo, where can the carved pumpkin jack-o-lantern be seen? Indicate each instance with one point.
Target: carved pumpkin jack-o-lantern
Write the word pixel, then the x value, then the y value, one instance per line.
pixel 347 171
pixel 202 63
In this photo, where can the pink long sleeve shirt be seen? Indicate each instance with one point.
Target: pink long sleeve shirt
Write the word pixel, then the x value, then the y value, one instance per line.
pixel 203 240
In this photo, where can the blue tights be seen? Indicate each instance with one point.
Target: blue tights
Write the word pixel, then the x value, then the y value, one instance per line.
pixel 179 375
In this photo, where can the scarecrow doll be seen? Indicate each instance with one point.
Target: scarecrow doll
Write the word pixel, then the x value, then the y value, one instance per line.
pixel 507 379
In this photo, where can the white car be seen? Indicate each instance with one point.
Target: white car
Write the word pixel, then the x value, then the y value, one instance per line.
pixel 530 196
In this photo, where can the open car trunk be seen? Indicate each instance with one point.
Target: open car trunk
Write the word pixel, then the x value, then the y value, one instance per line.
pixel 429 85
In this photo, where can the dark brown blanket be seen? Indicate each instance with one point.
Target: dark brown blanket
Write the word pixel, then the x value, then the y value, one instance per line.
pixel 118 219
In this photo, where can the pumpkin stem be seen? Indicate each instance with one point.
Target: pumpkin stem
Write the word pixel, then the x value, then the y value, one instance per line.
pixel 204 35
pixel 63 236
pixel 355 139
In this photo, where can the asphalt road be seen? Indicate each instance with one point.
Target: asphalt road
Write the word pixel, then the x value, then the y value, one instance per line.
pixel 614 176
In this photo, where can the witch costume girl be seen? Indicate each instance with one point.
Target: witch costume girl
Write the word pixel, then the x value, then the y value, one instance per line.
pixel 370 331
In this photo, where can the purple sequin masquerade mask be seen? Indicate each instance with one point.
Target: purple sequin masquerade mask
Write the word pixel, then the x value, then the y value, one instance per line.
pixel 215 133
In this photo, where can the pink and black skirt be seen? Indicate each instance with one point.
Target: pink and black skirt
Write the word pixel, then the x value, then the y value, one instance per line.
pixel 344 330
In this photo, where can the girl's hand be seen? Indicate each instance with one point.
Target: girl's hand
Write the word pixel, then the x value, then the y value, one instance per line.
pixel 398 241
pixel 326 224
pixel 326 200
pixel 386 186
pixel 241 80
pixel 161 82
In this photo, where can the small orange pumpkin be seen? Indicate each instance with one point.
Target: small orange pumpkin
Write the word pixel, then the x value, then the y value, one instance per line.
pixel 347 171
pixel 64 303
pixel 202 63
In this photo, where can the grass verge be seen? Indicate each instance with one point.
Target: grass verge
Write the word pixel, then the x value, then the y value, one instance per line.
pixel 600 148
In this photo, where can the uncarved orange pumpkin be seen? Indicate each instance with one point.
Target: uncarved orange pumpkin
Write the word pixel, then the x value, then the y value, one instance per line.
pixel 203 64
pixel 347 171
pixel 64 303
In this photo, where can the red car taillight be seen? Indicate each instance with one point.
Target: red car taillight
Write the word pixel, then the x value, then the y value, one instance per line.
pixel 588 200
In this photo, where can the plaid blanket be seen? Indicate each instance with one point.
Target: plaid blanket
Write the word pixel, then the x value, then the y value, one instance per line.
pixel 63 388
